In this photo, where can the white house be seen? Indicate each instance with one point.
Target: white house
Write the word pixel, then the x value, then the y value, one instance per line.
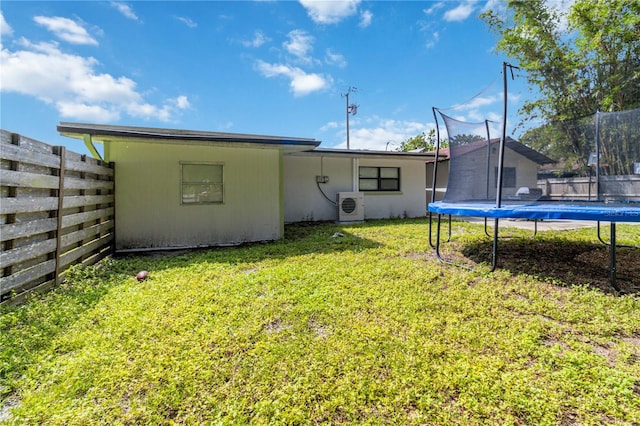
pixel 392 183
pixel 182 188
pixel 476 169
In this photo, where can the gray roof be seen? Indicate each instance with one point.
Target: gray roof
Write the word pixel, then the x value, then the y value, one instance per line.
pixel 103 132
pixel 510 143
pixel 427 156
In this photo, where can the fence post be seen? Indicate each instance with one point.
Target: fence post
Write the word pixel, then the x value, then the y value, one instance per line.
pixel 61 151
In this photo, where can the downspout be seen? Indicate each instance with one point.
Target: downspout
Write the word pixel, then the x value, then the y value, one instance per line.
pixel 91 147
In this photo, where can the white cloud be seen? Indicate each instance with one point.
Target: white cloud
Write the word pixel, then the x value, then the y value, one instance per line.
pixel 71 84
pixel 5 28
pixel 434 8
pixel 365 19
pixel 66 29
pixel 258 40
pixel 301 83
pixel 335 59
pixel 459 13
pixel 477 102
pixel 92 113
pixel 299 45
pixel 125 9
pixel 435 37
pixel 187 21
pixel 377 134
pixel 182 102
pixel 330 12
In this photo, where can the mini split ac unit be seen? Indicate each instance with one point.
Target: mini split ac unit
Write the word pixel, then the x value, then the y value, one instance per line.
pixel 350 206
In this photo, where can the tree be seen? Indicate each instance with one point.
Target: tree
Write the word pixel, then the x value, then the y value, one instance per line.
pixel 423 141
pixel 581 61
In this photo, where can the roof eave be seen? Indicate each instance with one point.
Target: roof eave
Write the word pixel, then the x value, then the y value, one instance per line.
pixel 149 135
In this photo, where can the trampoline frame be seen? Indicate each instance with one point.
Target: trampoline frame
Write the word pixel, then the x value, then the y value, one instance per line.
pixel 593 211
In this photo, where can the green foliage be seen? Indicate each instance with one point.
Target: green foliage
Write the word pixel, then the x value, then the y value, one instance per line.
pixel 362 328
pixel 423 141
pixel 582 61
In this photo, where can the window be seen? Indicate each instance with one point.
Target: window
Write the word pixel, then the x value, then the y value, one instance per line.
pixel 379 179
pixel 508 177
pixel 202 183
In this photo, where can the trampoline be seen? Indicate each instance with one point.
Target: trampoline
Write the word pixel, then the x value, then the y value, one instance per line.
pixel 496 177
pixel 543 210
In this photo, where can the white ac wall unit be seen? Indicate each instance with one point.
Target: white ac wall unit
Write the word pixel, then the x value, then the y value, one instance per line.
pixel 350 206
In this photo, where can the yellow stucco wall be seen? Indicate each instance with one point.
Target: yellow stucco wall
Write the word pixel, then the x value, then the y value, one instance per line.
pixel 148 202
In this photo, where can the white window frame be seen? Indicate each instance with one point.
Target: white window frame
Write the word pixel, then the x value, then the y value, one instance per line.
pixel 378 178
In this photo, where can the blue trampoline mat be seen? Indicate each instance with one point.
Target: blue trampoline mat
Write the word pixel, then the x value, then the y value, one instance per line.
pixel 574 210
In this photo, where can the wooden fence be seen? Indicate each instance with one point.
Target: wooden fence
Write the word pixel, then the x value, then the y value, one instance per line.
pixel 583 188
pixel 56 209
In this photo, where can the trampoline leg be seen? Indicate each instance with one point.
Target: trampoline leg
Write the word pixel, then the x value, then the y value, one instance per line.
pixel 535 227
pixel 486 232
pixel 449 236
pixel 430 231
pixel 437 247
pixel 600 235
pixel 494 253
pixel 612 258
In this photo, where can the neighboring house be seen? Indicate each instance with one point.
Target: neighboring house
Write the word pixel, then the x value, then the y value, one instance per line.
pixel 180 188
pixel 521 165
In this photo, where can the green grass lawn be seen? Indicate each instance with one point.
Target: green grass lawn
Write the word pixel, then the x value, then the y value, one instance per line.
pixel 360 328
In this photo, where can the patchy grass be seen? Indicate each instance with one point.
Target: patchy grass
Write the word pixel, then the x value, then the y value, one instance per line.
pixel 366 327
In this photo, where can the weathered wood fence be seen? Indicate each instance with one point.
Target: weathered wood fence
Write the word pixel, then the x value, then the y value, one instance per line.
pixel 584 188
pixel 56 209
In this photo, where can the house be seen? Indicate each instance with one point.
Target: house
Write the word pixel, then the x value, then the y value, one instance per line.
pixel 182 188
pixel 392 183
pixel 521 165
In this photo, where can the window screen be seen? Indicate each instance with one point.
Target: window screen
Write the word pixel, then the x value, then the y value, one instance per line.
pixel 202 183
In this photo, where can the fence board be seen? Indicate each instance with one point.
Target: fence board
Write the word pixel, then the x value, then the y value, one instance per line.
pixel 56 209
pixel 78 218
pixel 12 205
pixel 81 166
pixel 28 180
pixel 85 233
pixel 69 257
pixel 77 183
pixel 86 200
pixel 18 280
pixel 14 231
pixel 28 252
pixel 23 155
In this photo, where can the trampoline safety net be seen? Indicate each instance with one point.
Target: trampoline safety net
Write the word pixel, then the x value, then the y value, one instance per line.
pixel 604 148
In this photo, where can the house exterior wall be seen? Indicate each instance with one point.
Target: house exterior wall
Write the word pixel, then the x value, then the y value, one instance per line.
pixel 442 179
pixel 410 201
pixel 303 201
pixel 470 172
pixel 526 171
pixel 148 197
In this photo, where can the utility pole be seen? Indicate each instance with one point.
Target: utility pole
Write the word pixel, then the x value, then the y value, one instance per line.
pixel 351 109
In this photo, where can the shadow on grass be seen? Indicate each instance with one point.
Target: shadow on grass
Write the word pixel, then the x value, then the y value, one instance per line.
pixel 563 261
pixel 299 239
pixel 28 329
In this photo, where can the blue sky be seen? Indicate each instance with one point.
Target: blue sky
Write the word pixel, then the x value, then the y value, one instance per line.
pixel 263 67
